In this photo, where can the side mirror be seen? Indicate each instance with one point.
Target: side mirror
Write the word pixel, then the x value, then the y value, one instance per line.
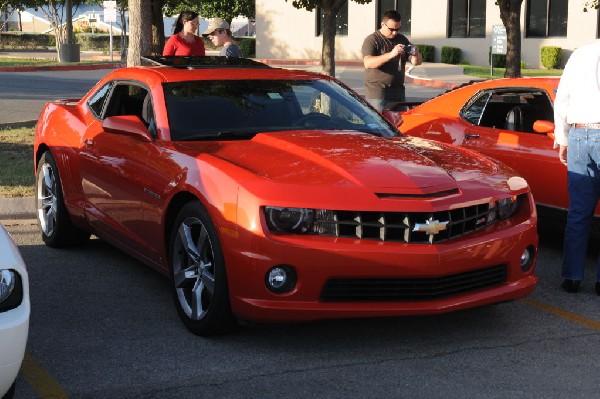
pixel 543 126
pixel 393 117
pixel 129 125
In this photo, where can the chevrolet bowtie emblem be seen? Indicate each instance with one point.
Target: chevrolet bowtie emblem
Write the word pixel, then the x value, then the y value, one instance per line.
pixel 430 227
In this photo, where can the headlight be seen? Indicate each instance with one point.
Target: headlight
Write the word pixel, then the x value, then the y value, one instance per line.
pixel 300 220
pixel 507 207
pixel 7 284
pixel 11 290
pixel 290 220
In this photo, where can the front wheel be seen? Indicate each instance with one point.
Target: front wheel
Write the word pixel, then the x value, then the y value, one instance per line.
pixel 57 229
pixel 198 273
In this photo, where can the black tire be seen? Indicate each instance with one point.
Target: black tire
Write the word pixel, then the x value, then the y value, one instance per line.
pixel 198 273
pixel 54 221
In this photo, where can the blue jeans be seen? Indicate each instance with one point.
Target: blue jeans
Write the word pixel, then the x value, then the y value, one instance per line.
pixel 583 165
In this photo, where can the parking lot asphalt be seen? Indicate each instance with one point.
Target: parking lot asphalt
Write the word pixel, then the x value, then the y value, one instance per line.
pixel 442 76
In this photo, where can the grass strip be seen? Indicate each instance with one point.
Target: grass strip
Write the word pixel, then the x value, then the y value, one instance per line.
pixel 484 72
pixel 17 178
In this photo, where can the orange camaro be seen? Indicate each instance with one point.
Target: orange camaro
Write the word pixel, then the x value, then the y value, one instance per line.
pixel 507 119
pixel 275 195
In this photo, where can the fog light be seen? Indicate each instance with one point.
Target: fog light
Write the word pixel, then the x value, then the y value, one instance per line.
pixel 280 279
pixel 527 258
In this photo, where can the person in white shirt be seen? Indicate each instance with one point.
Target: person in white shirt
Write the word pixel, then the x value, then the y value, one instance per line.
pixel 577 135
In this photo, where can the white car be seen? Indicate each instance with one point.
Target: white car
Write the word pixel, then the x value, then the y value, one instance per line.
pixel 14 313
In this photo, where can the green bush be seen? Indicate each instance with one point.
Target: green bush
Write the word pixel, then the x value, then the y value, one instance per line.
pixel 427 52
pixel 25 41
pixel 248 46
pixel 551 57
pixel 451 55
pixel 499 59
pixel 97 41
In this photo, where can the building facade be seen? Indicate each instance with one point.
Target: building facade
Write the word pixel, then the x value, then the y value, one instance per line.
pixel 287 32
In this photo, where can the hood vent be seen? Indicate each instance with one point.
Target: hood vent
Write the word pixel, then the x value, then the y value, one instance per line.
pixel 438 194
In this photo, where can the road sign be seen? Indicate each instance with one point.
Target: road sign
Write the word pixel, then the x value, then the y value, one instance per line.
pixel 110 11
pixel 499 39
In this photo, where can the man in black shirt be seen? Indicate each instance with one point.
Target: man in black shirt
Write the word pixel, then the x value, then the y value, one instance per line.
pixel 385 53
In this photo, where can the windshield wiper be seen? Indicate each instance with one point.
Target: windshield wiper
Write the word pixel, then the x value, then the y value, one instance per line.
pixel 223 135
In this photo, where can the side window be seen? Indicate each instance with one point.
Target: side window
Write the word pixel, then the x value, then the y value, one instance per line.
pixel 132 99
pixel 510 109
pixel 475 107
pixel 96 102
pixel 127 99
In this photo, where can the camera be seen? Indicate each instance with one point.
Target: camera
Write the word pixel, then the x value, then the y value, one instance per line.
pixel 410 49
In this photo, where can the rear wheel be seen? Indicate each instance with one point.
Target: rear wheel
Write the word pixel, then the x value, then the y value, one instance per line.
pixel 198 273
pixel 57 229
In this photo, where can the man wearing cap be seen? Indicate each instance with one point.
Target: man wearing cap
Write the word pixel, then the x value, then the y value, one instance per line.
pixel 220 35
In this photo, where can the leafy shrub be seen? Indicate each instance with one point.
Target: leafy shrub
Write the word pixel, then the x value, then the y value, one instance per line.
pixel 29 41
pixel 97 41
pixel 499 59
pixel 248 46
pixel 551 57
pixel 451 55
pixel 427 52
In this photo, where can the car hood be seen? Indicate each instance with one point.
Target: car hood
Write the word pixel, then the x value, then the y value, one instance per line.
pixel 343 158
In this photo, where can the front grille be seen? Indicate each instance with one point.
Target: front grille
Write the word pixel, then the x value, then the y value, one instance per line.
pixel 411 289
pixel 399 226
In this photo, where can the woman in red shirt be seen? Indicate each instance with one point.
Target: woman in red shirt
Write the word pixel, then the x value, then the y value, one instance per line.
pixel 184 41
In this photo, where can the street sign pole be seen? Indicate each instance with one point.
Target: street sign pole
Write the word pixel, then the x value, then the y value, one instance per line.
pixel 110 15
pixel 499 39
pixel 111 43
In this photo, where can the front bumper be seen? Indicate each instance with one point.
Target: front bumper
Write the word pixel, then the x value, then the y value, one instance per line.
pixel 14 328
pixel 317 260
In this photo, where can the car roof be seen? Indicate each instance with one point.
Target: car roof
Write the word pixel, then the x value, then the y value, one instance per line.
pixel 179 69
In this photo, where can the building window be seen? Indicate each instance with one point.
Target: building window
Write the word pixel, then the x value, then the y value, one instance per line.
pixel 546 18
pixel 467 18
pixel 341 21
pixel 402 6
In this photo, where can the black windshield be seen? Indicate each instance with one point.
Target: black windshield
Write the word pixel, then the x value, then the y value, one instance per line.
pixel 200 110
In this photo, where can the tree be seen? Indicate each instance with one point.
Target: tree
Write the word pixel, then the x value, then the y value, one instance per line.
pixel 213 8
pixel 329 8
pixel 140 32
pixel 590 4
pixel 510 13
pixel 60 14
pixel 158 27
pixel 6 10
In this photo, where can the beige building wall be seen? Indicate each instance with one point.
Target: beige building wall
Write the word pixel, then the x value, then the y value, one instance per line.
pixel 286 32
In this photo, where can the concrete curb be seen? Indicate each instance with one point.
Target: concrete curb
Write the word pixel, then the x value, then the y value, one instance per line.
pixel 78 67
pixel 17 208
pixel 18 125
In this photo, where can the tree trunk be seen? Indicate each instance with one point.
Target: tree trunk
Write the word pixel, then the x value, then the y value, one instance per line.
pixel 328 33
pixel 140 32
pixel 510 13
pixel 69 36
pixel 158 27
pixel 124 42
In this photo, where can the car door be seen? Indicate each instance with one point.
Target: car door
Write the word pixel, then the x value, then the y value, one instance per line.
pixel 499 123
pixel 113 168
